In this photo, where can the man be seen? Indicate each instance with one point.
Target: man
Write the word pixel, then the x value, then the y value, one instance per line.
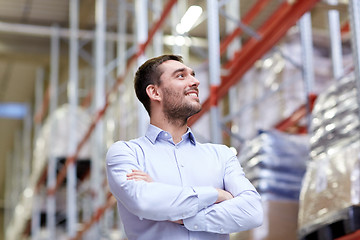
pixel 167 185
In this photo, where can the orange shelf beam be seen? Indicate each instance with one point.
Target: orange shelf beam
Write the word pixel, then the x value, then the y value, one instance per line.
pixel 352 236
pixel 294 119
pixel 248 18
pixel 271 32
pixel 62 174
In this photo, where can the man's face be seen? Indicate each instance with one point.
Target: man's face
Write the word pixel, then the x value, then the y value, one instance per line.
pixel 179 89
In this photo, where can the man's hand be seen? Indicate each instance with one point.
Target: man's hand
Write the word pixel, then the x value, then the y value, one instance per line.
pixel 178 222
pixel 138 175
pixel 223 195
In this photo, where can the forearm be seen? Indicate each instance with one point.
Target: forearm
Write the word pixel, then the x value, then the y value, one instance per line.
pixel 222 196
pixel 151 200
pixel 159 201
pixel 238 214
pixel 138 175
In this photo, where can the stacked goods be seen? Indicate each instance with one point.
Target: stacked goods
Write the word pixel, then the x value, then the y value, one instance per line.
pixel 331 187
pixel 335 122
pixel 275 163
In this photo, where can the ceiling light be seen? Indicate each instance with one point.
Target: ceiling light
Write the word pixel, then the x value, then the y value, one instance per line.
pixel 189 19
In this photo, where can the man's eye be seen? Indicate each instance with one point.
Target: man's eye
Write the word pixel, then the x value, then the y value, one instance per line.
pixel 180 75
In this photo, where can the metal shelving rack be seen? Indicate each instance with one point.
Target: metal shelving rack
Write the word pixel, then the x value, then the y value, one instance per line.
pixel 260 42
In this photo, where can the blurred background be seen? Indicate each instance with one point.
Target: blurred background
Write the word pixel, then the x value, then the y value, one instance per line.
pixel 279 85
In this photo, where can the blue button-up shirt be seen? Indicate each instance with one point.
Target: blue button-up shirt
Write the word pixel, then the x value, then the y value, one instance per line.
pixel 185 177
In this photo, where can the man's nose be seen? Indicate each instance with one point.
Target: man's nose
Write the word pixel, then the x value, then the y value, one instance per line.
pixel 194 81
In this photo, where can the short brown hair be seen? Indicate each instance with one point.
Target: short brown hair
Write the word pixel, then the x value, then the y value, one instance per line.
pixel 148 74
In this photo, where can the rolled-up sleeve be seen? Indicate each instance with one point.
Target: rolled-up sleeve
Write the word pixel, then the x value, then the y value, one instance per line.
pixel 154 200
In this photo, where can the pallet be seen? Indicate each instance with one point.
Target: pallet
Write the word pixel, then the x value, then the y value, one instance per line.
pixel 351 236
pixel 339 224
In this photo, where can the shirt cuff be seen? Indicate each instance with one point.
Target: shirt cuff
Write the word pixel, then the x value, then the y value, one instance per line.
pixel 196 223
pixel 207 196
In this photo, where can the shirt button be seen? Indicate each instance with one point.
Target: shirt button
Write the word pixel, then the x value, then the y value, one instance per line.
pixel 221 230
pixel 195 227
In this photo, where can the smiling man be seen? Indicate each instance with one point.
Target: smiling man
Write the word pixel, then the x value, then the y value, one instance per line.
pixel 168 185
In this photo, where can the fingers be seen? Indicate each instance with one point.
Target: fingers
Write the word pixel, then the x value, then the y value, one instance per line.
pixel 178 222
pixel 138 175
pixel 135 173
pixel 223 195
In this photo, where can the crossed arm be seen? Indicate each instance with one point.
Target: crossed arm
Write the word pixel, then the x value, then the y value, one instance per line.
pixel 199 208
pixel 139 175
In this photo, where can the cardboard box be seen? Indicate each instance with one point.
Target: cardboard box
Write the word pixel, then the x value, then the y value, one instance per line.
pixel 280 222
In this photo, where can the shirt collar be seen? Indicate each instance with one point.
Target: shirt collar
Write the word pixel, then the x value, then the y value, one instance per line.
pixel 154 132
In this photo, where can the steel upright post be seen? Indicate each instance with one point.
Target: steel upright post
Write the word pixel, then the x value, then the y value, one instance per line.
pixel 39 96
pixel 26 166
pixel 184 50
pixel 335 41
pixel 175 19
pixel 8 192
pixel 121 69
pixel 15 178
pixel 158 37
pixel 214 68
pixel 71 212
pixel 121 37
pixel 99 102
pixel 141 16
pixel 307 59
pixel 233 8
pixel 35 216
pixel 354 15
pixel 51 167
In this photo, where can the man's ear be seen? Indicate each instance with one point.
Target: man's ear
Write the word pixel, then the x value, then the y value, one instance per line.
pixel 153 93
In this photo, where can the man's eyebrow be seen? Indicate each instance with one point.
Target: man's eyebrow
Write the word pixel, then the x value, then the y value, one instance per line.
pixel 192 72
pixel 178 70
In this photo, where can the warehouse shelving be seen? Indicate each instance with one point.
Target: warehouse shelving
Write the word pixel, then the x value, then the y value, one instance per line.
pixel 272 30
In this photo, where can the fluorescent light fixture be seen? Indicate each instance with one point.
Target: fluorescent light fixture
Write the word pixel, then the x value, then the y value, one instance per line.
pixel 177 40
pixel 189 19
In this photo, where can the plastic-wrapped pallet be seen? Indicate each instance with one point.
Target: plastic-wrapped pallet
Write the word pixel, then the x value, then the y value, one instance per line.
pixel 335 121
pixel 331 187
pixel 275 163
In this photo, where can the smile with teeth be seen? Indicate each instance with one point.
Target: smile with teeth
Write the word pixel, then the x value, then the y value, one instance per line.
pixel 192 94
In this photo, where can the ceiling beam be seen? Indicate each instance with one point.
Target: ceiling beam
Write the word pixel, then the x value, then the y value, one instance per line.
pixel 45 31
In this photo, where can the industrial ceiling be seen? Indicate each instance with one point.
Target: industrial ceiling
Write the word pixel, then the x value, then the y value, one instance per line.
pixel 25 31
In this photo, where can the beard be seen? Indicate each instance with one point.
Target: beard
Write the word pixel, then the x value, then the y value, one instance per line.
pixel 177 109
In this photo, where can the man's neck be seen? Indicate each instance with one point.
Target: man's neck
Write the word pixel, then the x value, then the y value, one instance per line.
pixel 176 129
